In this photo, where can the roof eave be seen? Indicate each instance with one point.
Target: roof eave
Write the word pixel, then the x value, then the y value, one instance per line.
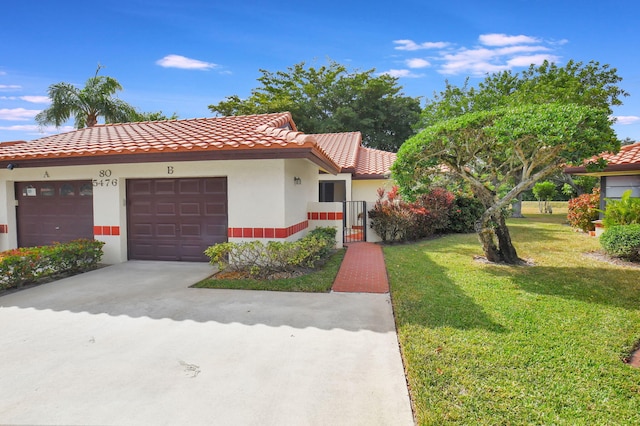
pixel 614 168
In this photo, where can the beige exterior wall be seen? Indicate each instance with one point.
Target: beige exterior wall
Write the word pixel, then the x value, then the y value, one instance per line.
pixel 261 194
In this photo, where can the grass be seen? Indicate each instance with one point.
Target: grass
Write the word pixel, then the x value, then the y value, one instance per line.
pixel 543 344
pixel 318 281
pixel 531 207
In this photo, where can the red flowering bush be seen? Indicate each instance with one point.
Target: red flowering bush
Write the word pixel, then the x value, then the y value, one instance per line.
pixel 28 264
pixel 583 210
pixel 434 212
pixel 396 220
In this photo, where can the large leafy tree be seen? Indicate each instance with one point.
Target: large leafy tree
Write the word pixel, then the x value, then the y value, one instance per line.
pixel 96 99
pixel 333 99
pixel 510 132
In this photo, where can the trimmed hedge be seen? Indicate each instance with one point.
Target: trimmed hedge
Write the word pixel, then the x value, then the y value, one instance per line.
pixel 622 241
pixel 260 260
pixel 29 264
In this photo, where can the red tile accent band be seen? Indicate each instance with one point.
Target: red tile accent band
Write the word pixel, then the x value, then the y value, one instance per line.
pixel 325 215
pixel 267 232
pixel 106 230
pixel 4 229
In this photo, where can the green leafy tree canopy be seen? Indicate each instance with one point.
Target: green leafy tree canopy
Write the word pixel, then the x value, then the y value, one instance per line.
pixel 510 132
pixel 330 99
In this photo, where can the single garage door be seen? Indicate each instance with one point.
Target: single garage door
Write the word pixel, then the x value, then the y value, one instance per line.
pixel 49 212
pixel 175 219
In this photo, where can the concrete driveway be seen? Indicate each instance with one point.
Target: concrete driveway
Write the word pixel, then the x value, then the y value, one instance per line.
pixel 131 344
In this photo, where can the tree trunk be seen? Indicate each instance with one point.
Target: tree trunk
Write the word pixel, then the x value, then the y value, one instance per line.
pixel 491 228
pixel 506 249
pixel 489 246
pixel 517 207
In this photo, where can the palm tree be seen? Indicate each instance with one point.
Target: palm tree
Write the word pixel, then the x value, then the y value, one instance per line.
pixel 94 100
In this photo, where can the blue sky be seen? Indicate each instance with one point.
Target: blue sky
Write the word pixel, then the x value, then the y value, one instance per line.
pixel 181 56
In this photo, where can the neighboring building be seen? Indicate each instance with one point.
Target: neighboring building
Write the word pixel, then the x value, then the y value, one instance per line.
pixel 621 174
pixel 166 190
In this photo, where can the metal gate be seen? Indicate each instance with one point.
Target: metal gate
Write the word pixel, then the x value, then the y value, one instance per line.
pixel 354 221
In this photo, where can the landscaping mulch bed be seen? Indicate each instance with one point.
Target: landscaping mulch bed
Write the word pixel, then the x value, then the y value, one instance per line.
pixel 603 257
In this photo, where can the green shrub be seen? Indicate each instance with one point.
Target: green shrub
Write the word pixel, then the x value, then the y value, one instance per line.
pixel 465 212
pixel 622 241
pixel 583 210
pixel 262 260
pixel 625 211
pixel 29 264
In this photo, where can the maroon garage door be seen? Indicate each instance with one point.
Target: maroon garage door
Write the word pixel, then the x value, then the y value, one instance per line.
pixel 49 212
pixel 175 219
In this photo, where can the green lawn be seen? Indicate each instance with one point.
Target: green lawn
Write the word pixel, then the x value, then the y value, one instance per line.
pixel 487 344
pixel 319 281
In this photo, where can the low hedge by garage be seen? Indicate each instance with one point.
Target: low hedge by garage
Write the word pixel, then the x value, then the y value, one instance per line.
pixel 259 260
pixel 30 264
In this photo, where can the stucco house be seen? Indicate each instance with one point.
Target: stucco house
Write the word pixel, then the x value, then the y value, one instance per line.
pixel 621 173
pixel 166 190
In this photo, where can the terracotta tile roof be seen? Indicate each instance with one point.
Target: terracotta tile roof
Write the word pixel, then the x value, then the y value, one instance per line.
pixel 347 151
pixel 341 147
pixel 374 163
pixel 275 133
pixel 251 131
pixel 628 154
pixel 627 159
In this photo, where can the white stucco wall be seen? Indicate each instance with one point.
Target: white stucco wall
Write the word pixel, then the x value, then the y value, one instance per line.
pixel 298 195
pixel 261 193
pixel 367 189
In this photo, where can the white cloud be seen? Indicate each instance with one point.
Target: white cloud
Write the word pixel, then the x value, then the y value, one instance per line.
pixel 402 73
pixel 10 87
pixel 494 53
pixel 36 99
pixel 506 40
pixel 525 61
pixel 412 45
pixel 17 114
pixel 32 99
pixel 182 62
pixel 37 130
pixel 417 63
pixel 627 119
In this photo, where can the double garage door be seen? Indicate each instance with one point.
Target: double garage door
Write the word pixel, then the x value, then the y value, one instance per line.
pixel 168 219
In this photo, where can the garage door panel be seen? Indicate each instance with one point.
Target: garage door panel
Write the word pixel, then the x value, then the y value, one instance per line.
pixel 143 230
pixel 194 230
pixel 166 230
pixel 215 186
pixel 141 208
pixel 140 187
pixel 186 217
pixel 166 208
pixel 190 186
pixel 190 208
pixel 214 209
pixel 164 187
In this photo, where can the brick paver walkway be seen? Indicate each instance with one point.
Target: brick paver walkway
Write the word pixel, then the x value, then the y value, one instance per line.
pixel 363 270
